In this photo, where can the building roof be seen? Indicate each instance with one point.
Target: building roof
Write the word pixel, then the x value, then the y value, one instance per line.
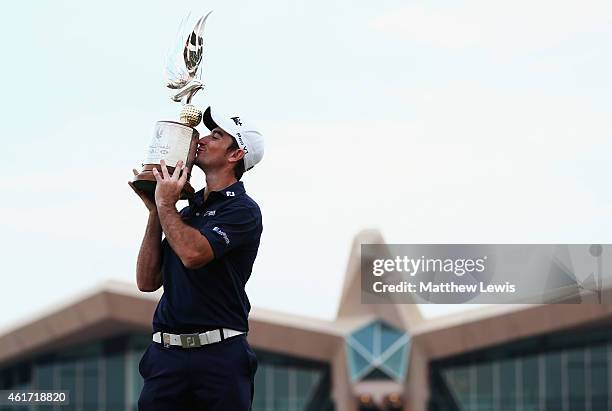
pixel 116 307
pixel 403 316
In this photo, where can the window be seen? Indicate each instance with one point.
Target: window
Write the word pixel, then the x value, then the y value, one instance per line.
pixel 565 371
pixel 377 351
pixel 284 383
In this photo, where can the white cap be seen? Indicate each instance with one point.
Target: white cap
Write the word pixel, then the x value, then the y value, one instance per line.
pixel 247 136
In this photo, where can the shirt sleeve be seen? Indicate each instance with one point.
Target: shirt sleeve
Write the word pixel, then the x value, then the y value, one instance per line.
pixel 231 228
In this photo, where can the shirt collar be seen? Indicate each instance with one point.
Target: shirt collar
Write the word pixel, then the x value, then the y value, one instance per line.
pixel 233 190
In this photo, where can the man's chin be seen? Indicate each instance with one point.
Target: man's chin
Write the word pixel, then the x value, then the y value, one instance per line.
pixel 198 164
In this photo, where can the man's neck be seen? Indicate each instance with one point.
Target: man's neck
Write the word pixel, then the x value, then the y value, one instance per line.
pixel 217 182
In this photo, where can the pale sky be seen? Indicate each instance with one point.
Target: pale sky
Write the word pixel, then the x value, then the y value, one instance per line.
pixel 435 122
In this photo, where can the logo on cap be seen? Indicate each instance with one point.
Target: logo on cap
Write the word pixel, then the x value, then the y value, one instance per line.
pixel 237 121
pixel 244 147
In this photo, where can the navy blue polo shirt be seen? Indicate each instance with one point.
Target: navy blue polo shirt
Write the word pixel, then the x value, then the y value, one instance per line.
pixel 212 296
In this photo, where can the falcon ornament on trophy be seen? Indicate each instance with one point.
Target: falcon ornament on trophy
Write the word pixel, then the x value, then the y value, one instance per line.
pixel 177 140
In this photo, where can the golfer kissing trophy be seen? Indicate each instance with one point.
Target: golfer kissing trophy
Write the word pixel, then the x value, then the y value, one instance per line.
pixel 178 140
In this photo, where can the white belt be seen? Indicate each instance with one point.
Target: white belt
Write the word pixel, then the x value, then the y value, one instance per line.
pixel 195 340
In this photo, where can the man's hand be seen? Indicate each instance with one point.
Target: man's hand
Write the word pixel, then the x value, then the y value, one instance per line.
pixel 147 199
pixel 169 187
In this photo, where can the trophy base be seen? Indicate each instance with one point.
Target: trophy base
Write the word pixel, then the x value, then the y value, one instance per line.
pixel 145 181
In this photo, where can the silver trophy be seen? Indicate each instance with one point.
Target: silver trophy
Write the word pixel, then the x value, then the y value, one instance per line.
pixel 177 140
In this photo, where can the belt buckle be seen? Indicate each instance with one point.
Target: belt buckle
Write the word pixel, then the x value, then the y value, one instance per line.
pixel 190 340
pixel 166 338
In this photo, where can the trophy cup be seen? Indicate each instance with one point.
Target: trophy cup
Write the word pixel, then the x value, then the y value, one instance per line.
pixel 177 140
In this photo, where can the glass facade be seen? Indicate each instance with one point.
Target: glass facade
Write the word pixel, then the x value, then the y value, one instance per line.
pixel 103 376
pixel 285 383
pixel 560 372
pixel 99 376
pixel 377 351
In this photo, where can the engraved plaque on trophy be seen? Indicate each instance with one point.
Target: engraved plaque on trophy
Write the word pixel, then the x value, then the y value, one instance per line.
pixel 177 140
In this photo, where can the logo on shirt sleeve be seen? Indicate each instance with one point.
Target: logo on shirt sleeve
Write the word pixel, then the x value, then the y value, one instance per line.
pixel 222 234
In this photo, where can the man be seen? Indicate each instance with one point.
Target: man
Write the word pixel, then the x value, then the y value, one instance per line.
pixel 199 358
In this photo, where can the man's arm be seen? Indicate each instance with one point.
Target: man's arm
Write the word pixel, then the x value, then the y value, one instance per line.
pixel 148 266
pixel 189 244
pixel 191 247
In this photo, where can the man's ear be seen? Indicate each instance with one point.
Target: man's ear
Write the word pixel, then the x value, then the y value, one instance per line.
pixel 236 155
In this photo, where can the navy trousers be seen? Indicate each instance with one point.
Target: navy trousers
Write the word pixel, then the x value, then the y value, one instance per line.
pixel 214 377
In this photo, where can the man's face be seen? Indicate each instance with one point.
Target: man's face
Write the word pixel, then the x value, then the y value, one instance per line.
pixel 212 152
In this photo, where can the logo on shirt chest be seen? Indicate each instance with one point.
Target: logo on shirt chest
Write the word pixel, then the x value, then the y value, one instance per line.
pixel 208 213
